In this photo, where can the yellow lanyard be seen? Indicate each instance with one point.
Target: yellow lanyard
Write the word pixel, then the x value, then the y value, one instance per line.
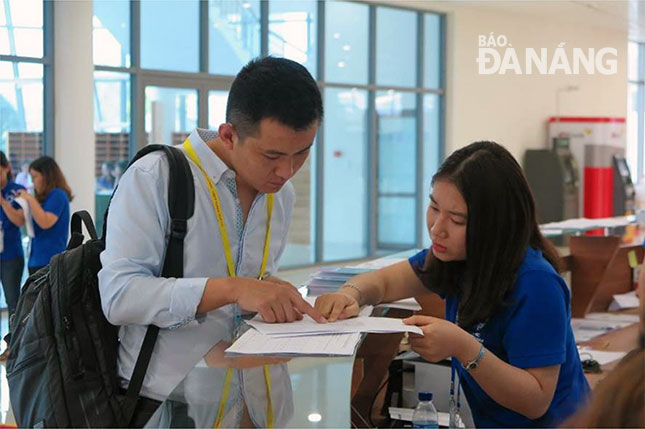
pixel 219 215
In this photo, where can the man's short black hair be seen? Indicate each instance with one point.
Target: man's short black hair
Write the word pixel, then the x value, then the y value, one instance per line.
pixel 274 88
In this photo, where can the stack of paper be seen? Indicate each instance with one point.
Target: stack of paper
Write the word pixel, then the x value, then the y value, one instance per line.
pixel 602 357
pixel 583 224
pixel 311 338
pixel 404 304
pixel 330 279
pixel 253 342
pixel 587 329
pixel 307 326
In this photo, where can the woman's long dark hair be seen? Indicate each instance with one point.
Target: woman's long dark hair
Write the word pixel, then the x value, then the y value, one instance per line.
pixel 4 162
pixel 501 226
pixel 53 176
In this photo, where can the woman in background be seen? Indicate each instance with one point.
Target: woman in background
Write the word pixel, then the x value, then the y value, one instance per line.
pixel 12 259
pixel 50 211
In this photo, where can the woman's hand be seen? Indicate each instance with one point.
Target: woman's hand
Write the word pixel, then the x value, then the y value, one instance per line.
pixel 441 339
pixel 26 195
pixel 337 306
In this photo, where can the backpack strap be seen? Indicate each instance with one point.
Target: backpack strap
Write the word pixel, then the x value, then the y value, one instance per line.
pixel 79 218
pixel 181 206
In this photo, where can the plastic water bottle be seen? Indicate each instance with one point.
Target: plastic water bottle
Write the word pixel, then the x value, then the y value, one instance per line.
pixel 425 415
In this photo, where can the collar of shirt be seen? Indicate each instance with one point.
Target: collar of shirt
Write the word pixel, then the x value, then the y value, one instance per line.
pixel 212 164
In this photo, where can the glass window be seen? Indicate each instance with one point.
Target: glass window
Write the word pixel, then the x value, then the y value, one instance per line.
pixel 300 239
pixel 171 114
pixel 217 108
pixel 21 28
pixel 346 44
pixel 396 47
pixel 292 31
pixel 396 118
pixel 396 229
pixel 111 101
pixel 21 111
pixel 234 34
pixel 396 179
pixel 111 33
pixel 345 175
pixel 431 145
pixel 170 35
pixel 112 135
pixel 432 51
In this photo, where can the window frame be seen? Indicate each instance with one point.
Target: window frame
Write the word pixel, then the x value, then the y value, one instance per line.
pixel 205 82
pixel 48 75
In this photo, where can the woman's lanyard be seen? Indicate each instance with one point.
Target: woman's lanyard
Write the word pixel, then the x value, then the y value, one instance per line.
pixel 454 406
pixel 219 214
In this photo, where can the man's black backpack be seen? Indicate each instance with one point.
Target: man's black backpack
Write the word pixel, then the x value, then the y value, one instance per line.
pixel 62 368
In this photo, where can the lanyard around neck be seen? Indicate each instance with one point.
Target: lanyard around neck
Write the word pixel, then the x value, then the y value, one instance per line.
pixel 219 215
pixel 454 406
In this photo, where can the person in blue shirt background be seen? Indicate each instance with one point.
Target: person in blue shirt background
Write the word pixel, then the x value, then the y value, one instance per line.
pixel 508 317
pixel 12 260
pixel 50 210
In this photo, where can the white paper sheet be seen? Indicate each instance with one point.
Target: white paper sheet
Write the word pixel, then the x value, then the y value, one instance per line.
pixel 308 326
pixel 613 317
pixel 404 304
pixel 253 342
pixel 624 301
pixel 585 223
pixel 585 329
pixel 26 211
pixel 600 356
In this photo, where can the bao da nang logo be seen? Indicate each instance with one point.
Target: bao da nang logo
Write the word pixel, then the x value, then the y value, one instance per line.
pixel 498 56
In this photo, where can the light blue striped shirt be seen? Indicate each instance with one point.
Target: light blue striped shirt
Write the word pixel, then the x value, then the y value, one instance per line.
pixel 132 293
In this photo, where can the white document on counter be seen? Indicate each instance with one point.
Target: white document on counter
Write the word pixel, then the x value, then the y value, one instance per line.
pixel 613 317
pixel 404 304
pixel 600 356
pixel 253 342
pixel 586 329
pixel 624 301
pixel 308 326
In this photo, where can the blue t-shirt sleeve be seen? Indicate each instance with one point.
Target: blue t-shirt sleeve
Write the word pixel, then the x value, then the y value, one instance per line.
pixel 537 326
pixel 418 260
pixel 56 202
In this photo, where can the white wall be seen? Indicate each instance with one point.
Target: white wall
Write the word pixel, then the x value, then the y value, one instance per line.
pixel 73 103
pixel 512 109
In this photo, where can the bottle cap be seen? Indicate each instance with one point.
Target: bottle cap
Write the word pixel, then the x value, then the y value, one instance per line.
pixel 425 396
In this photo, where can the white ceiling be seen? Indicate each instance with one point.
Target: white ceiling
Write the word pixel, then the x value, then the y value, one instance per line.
pixel 626 15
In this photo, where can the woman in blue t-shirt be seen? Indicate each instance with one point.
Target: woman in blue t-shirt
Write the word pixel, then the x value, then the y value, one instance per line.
pixel 12 260
pixel 508 319
pixel 50 211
